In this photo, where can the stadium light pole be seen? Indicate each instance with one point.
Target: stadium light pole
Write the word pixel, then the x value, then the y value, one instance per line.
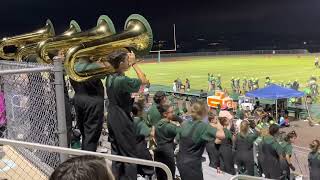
pixel 168 50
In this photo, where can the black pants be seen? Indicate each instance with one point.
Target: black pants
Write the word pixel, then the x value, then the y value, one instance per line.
pixel 213 153
pixel 189 167
pixel 226 155
pixel 89 111
pixel 166 156
pixel 123 142
pixel 285 169
pixel 271 167
pixel 244 159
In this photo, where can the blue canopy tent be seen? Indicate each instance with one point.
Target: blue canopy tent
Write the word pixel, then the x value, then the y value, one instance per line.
pixel 275 92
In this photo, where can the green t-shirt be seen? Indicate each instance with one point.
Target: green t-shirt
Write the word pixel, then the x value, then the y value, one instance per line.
pixel 227 133
pixel 275 144
pixel 286 147
pixel 154 115
pixel 314 155
pixel 126 84
pixel 202 133
pixel 251 137
pixel 239 114
pixel 141 127
pixel 166 132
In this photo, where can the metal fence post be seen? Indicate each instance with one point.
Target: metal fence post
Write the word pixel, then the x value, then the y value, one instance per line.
pixel 159 56
pixel 61 114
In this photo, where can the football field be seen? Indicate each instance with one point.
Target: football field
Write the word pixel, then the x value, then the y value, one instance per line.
pixel 278 67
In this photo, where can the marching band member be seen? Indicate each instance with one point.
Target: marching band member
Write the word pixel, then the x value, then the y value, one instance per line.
pixel 89 106
pixel 166 132
pixel 244 148
pixel 212 148
pixel 154 116
pixel 120 123
pixel 271 152
pixel 142 132
pixel 192 141
pixel 314 160
pixel 285 162
pixel 225 149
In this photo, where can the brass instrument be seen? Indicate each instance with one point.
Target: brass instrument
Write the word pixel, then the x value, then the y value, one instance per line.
pixel 18 41
pixel 137 37
pixel 27 50
pixel 104 28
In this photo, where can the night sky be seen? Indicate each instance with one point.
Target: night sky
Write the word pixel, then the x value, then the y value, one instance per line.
pixel 193 18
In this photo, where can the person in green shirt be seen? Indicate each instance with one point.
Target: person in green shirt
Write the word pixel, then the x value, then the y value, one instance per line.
pixel 285 162
pixel 244 148
pixel 244 85
pixel 209 82
pixel 225 150
pixel 314 160
pixel 154 116
pixel 142 132
pixel 218 82
pixel 120 123
pixel 165 133
pixel 193 137
pixel 211 147
pixel 271 152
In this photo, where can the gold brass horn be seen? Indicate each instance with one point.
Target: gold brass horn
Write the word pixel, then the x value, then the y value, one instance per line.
pixel 24 39
pixel 27 50
pixel 137 37
pixel 104 28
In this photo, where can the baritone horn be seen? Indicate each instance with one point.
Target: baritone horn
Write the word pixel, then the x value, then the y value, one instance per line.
pixel 87 60
pixel 103 28
pixel 10 45
pixel 27 50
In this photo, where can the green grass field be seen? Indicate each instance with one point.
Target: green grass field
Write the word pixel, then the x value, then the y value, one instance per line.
pixel 278 67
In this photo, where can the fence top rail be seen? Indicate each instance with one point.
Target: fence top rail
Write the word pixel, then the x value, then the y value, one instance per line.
pixel 247 177
pixel 14 67
pixel 23 64
pixel 81 152
pixel 26 70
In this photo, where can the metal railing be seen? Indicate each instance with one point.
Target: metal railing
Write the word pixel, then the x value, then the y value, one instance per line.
pixel 245 177
pixel 61 150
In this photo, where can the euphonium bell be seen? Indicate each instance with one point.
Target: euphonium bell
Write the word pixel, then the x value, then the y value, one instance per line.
pixel 104 28
pixel 27 50
pixel 18 41
pixel 137 37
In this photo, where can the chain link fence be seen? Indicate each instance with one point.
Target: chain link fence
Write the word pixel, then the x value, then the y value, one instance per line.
pixel 31 115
